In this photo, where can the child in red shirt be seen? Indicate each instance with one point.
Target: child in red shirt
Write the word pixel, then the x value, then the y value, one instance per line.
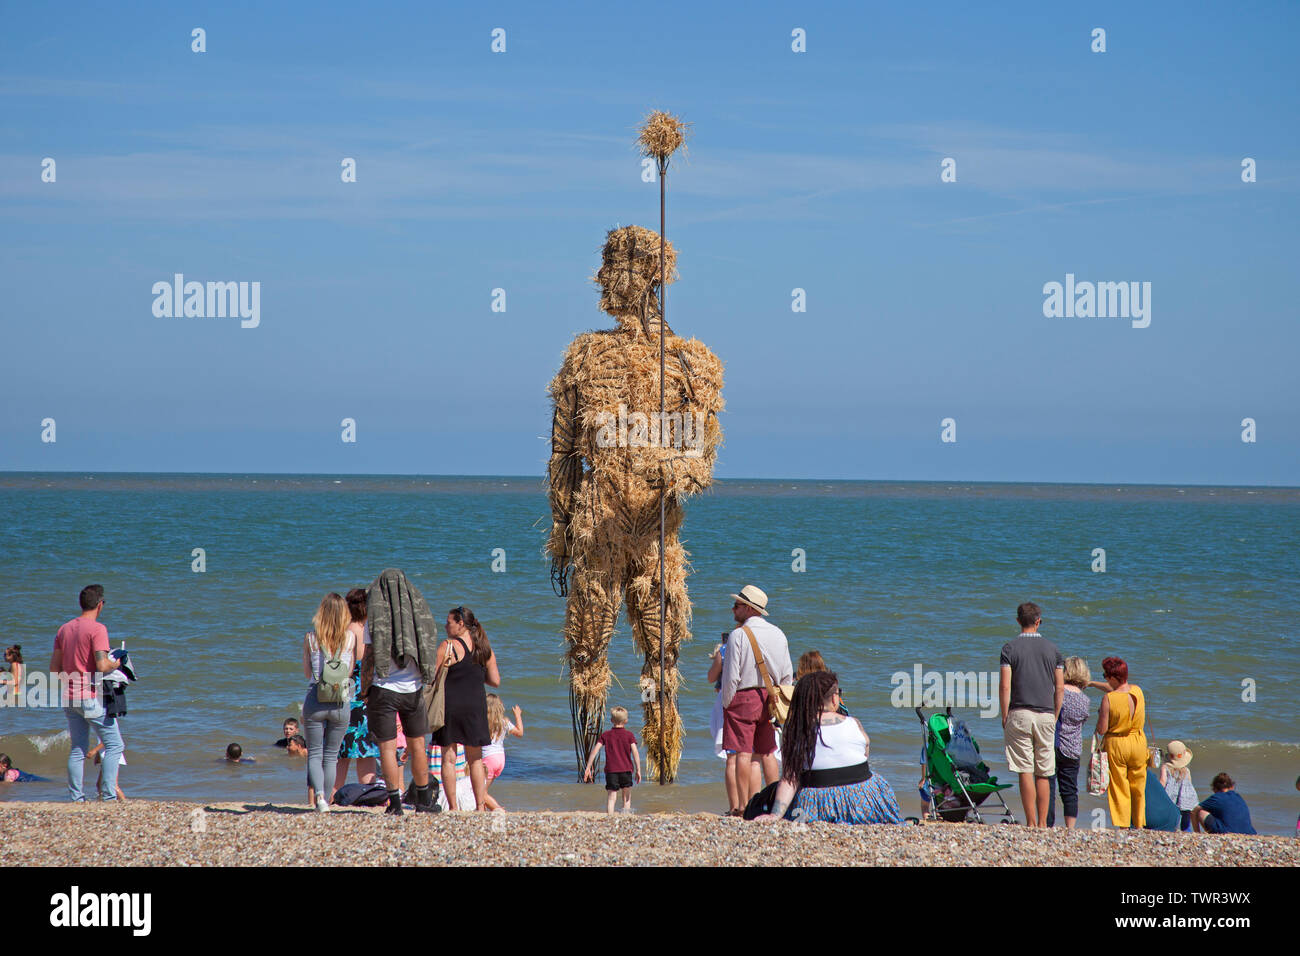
pixel 622 761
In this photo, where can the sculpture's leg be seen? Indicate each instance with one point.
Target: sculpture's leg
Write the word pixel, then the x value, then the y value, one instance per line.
pixel 589 619
pixel 662 733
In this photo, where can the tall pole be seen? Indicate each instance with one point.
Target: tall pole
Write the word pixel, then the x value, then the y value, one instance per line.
pixel 663 487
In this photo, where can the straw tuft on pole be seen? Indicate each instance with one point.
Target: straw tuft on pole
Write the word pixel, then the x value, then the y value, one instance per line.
pixel 661 135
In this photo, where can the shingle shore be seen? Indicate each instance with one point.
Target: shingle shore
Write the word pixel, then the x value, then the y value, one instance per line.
pixel 233 834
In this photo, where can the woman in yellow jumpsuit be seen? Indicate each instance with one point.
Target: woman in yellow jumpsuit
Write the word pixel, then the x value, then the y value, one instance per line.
pixel 1122 720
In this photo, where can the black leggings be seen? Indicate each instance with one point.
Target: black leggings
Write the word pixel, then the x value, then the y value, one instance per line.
pixel 1067 778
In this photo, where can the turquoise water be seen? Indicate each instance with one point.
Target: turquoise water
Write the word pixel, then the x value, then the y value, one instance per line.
pixel 1198 595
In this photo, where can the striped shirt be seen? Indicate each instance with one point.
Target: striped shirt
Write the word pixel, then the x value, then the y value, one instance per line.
pixel 435 762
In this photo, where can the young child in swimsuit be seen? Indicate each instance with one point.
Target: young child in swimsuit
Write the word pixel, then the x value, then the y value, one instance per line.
pixel 494 754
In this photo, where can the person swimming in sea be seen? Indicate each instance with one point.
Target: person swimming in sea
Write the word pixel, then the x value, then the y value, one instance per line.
pixel 235 754
pixel 11 774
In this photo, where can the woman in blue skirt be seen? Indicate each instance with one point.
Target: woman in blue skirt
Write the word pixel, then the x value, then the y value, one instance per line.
pixel 357 743
pixel 824 772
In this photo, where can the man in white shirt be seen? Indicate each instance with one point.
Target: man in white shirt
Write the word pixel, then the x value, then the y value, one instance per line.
pixel 399 693
pixel 399 664
pixel 746 729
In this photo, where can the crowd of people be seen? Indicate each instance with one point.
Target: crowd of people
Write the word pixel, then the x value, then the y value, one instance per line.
pixel 822 752
pixel 374 657
pixel 1044 709
pixel 369 660
pixel 819 769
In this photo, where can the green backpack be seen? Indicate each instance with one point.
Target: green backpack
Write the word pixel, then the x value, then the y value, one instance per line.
pixel 335 679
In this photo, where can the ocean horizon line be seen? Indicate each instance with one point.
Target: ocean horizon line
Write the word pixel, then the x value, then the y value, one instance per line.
pixel 541 478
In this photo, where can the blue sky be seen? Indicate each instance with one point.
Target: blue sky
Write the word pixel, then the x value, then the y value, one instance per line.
pixel 818 170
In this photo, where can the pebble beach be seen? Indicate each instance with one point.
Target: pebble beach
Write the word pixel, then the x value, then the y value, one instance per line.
pixel 239 834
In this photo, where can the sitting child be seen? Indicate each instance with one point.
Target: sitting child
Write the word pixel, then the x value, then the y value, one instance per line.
pixel 464 786
pixel 1176 778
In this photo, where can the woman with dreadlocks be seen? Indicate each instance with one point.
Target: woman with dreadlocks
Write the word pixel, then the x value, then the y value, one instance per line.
pixel 824 771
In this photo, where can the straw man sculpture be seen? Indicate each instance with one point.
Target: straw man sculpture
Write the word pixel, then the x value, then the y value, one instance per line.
pixel 612 453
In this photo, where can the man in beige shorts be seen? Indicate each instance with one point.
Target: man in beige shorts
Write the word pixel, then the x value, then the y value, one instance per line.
pixel 1031 690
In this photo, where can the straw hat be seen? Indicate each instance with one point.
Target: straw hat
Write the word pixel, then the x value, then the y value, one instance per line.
pixel 753 597
pixel 1179 755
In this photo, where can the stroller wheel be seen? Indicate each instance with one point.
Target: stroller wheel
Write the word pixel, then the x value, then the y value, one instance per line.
pixel 973 817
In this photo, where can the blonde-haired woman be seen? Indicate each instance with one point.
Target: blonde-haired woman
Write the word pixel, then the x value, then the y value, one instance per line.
pixel 328 652
pixel 1069 741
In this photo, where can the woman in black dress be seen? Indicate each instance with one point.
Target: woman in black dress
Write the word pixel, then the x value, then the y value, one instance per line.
pixel 474 665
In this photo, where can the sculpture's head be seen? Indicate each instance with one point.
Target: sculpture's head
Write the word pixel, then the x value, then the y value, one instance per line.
pixel 629 276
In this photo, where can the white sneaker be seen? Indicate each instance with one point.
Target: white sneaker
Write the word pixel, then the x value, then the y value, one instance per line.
pixel 321 805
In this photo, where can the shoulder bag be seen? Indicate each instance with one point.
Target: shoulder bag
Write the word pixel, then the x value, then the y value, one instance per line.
pixel 435 695
pixel 778 698
pixel 1098 768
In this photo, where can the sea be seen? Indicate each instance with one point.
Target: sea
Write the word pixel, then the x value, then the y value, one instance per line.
pixel 908 590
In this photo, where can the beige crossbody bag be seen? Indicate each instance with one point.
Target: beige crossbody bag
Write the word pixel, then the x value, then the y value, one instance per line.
pixel 778 698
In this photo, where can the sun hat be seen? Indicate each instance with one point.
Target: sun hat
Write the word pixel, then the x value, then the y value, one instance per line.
pixel 754 597
pixel 1179 755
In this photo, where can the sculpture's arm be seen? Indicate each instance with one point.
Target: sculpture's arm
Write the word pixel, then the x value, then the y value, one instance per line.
pixel 564 471
pixel 698 376
pixel 712 404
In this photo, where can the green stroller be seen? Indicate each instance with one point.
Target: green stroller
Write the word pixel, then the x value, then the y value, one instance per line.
pixel 956 778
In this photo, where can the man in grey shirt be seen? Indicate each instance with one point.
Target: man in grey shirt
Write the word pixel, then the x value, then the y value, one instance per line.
pixel 746 729
pixel 1031 691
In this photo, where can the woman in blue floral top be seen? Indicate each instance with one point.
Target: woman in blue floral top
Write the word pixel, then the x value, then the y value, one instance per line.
pixel 357 743
pixel 1069 741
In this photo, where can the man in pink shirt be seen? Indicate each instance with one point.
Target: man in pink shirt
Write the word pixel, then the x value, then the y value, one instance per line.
pixel 81 653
